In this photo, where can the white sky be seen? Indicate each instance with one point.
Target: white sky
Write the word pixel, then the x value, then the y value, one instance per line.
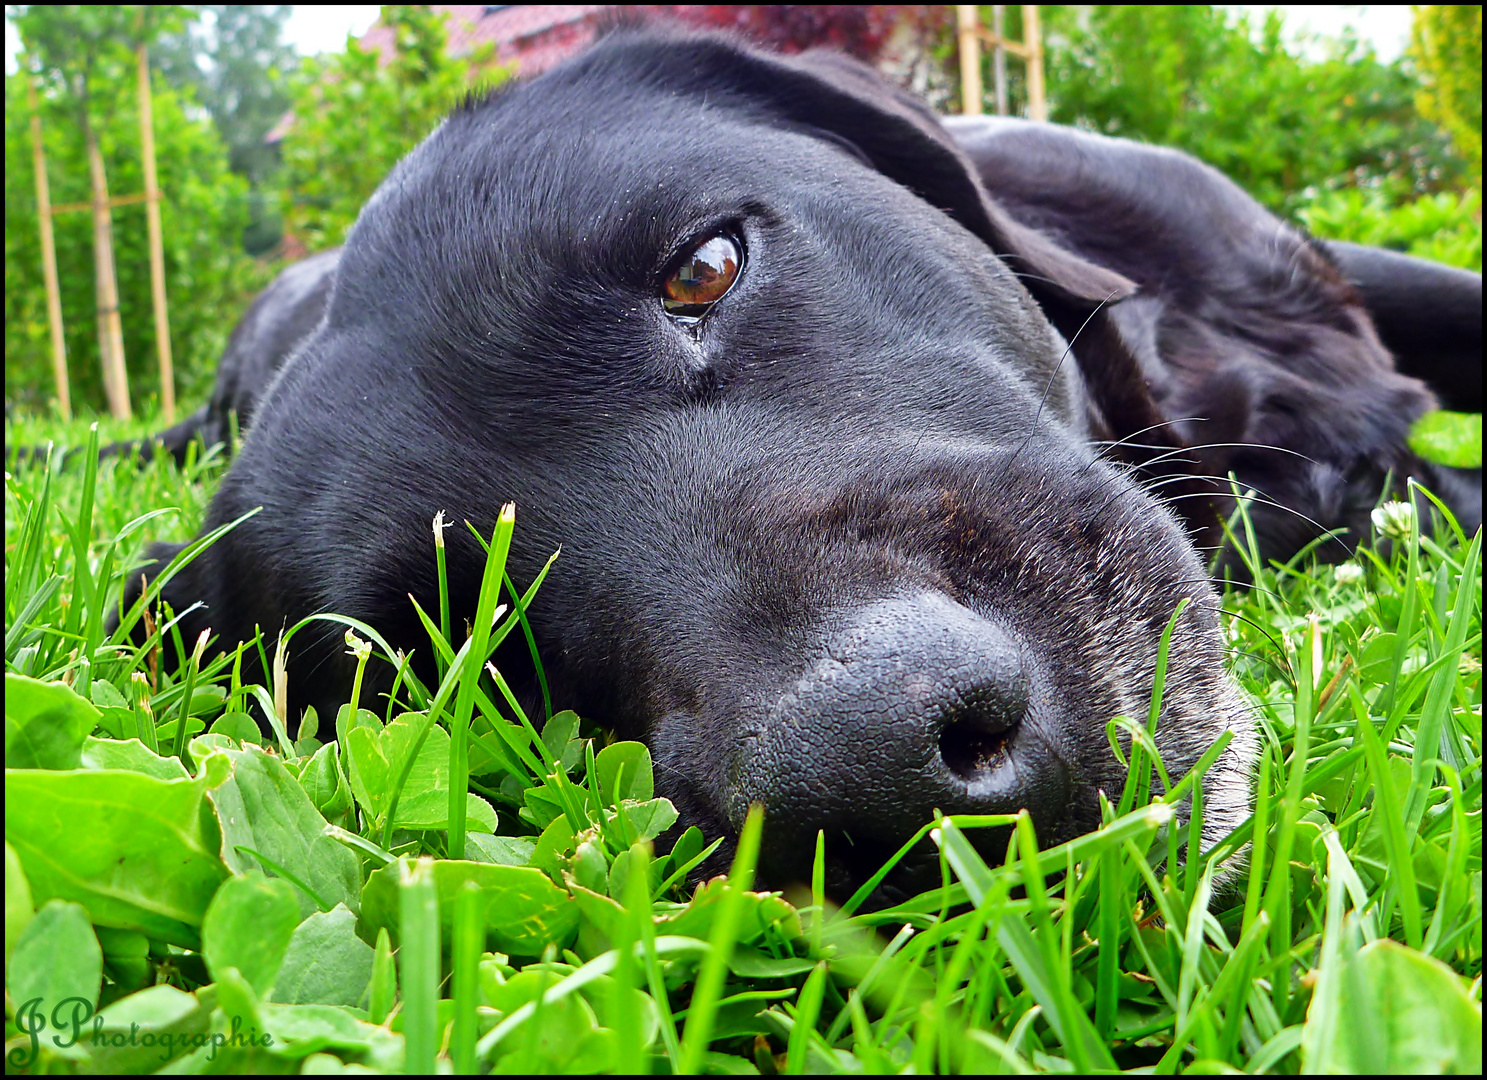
pixel 316 28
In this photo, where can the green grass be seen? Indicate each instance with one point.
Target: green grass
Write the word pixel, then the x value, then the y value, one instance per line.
pixel 171 873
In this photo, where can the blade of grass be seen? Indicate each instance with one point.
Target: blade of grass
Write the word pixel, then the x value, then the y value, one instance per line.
pixel 1405 628
pixel 630 1052
pixel 1080 1040
pixel 382 988
pixel 1452 881
pixel 700 1016
pixel 469 939
pixel 1278 892
pixel 464 706
pixel 418 950
pixel 641 915
pixel 807 1010
pixel 1387 803
pixel 1434 715
pixel 1259 837
pixel 526 629
pixel 1113 909
pixel 443 575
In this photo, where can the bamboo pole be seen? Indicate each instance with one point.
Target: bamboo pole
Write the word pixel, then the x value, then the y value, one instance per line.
pixel 49 259
pixel 999 58
pixel 114 202
pixel 1032 37
pixel 157 253
pixel 110 329
pixel 970 59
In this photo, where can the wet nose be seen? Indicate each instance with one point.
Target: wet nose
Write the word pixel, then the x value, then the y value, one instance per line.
pixel 917 704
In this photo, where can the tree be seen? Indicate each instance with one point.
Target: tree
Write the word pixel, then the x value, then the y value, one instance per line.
pixel 357 113
pixel 233 61
pixel 237 65
pixel 1447 48
pixel 1205 80
pixel 204 211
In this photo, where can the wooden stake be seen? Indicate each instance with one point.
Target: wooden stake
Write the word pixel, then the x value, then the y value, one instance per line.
pixel 999 58
pixel 1032 36
pixel 110 329
pixel 970 59
pixel 49 259
pixel 157 253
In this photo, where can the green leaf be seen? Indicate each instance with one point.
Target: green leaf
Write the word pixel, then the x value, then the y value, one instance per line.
pixel 131 755
pixel 554 846
pixel 301 1030
pixel 138 853
pixel 742 1014
pixel 687 847
pixel 264 810
pixel 502 850
pixel 648 819
pixel 126 959
pixel 630 764
pixel 45 724
pixel 1399 1012
pixel 142 1032
pixel 326 963
pixel 105 694
pixel 326 784
pixel 1376 657
pixel 567 1037
pixel 754 964
pixel 238 1000
pixel 18 907
pixel 589 867
pixel 523 910
pixel 248 927
pixel 559 735
pixel 238 726
pixel 541 808
pixel 56 957
pixel 1448 438
pixel 377 756
pixel 760 911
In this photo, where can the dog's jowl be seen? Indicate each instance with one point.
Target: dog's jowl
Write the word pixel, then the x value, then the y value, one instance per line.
pixel 841 529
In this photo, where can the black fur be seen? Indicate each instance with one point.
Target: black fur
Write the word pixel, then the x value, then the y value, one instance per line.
pixel 1259 343
pixel 843 548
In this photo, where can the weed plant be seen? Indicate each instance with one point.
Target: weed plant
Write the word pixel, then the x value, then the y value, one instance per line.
pixel 436 880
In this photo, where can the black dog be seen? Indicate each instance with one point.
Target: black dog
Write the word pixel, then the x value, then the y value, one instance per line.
pixel 1256 342
pixel 747 338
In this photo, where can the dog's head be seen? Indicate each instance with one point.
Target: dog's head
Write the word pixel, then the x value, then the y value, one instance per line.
pixel 746 338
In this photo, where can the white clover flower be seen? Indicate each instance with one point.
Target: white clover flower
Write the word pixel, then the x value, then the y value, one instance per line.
pixel 357 647
pixel 1348 573
pixel 1396 520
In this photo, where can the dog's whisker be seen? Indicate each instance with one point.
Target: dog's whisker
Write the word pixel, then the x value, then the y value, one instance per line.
pixel 1048 387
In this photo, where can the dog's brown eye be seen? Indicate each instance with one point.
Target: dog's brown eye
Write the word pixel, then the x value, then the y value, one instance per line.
pixel 702 278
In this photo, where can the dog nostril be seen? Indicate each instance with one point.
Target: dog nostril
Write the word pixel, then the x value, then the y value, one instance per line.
pixel 976 729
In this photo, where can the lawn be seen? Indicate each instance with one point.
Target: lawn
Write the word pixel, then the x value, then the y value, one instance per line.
pixel 178 894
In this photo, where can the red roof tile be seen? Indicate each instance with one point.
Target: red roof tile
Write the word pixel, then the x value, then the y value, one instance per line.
pixel 534 36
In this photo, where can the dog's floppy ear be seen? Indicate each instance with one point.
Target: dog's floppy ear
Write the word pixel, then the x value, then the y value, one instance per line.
pixel 844 100
pixel 902 139
pixel 1429 315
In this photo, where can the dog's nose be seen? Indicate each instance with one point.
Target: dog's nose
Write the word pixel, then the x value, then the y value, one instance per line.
pixel 918 704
